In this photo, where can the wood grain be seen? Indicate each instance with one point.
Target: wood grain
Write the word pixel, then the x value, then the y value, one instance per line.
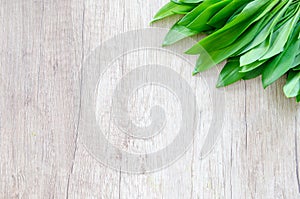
pixel 43 45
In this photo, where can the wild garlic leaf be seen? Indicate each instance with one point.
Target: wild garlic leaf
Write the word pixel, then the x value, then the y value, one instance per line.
pixel 257 37
pixel 292 86
pixel 191 16
pixel 171 9
pixel 177 33
pixel 296 61
pixel 296 68
pixel 194 22
pixel 283 62
pixel 230 73
pixel 214 57
pixel 298 98
pixel 220 19
pixel 252 66
pixel 231 31
pixel 269 24
pixel 200 22
pixel 281 39
pixel 254 73
pixel 256 53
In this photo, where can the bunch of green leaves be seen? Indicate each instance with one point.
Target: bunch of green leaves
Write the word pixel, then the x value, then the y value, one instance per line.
pixel 256 37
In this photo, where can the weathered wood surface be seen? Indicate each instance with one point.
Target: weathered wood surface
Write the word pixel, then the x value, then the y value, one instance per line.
pixel 43 45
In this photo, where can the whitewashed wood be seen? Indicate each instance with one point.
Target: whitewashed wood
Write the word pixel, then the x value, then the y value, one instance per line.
pixel 43 44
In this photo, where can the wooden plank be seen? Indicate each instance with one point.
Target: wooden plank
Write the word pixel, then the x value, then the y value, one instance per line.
pixel 43 46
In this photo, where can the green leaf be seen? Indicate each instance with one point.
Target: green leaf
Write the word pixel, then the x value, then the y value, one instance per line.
pixel 296 62
pixel 209 59
pixel 282 62
pixel 257 37
pixel 191 16
pixel 171 9
pixel 296 68
pixel 230 73
pixel 223 15
pixel 231 31
pixel 256 53
pixel 273 18
pixel 194 22
pixel 298 98
pixel 254 73
pixel 178 33
pixel 252 66
pixel 292 86
pixel 200 22
pixel 281 38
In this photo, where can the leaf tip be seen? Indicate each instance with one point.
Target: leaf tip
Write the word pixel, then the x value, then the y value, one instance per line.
pixel 195 72
pixel 166 43
pixel 153 21
pixel 190 52
pixel 220 84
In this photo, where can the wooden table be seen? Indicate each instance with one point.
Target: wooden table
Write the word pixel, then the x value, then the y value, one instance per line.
pixel 43 48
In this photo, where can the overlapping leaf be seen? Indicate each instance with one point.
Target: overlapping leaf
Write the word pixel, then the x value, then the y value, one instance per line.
pixel 257 37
